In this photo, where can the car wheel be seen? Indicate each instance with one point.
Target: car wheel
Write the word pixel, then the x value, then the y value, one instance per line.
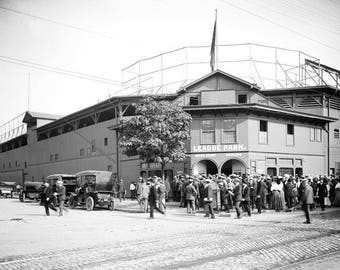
pixel 111 205
pixel 89 204
pixel 72 202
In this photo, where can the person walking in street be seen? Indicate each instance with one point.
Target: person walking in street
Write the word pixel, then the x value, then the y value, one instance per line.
pixel 161 190
pixel 61 193
pixel 153 198
pixel 307 198
pixel 237 193
pixel 191 194
pixel 47 199
pixel 208 198
pixel 224 197
pixel 252 186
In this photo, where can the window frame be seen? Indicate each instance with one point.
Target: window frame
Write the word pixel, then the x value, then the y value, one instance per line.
pixel 242 94
pixel 201 131
pixel 222 131
pixel 259 141
pixel 288 134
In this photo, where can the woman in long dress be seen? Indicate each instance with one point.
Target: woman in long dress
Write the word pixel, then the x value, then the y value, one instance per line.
pixel 278 195
pixel 337 193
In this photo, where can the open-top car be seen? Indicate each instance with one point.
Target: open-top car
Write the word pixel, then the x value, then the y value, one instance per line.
pixel 30 190
pixel 69 180
pixel 95 188
pixel 7 189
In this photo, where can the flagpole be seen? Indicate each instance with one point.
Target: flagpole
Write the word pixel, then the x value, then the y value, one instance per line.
pixel 216 40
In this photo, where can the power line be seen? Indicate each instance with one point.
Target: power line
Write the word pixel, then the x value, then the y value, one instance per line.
pixel 297 19
pixel 280 25
pixel 58 70
pixel 59 23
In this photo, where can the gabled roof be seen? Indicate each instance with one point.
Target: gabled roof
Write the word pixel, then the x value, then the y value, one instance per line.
pixel 213 73
pixel 37 115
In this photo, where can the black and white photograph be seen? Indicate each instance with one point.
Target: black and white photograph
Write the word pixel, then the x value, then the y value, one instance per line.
pixel 169 134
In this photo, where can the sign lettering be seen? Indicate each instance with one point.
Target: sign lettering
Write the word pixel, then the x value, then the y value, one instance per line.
pixel 218 148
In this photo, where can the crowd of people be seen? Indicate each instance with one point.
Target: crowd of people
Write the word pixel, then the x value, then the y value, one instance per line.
pixel 221 193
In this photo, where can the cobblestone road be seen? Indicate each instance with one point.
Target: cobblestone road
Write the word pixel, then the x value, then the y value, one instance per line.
pixel 269 241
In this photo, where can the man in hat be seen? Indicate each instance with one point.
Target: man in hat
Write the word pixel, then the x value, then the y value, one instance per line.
pixel 47 198
pixel 191 194
pixel 208 198
pixel 261 193
pixel 61 193
pixel 153 198
pixel 237 192
pixel 306 199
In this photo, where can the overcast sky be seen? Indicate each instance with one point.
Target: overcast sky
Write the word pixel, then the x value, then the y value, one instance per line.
pixel 100 37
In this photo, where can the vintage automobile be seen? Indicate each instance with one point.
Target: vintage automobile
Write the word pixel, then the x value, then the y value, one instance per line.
pixel 31 191
pixel 95 188
pixel 7 189
pixel 69 180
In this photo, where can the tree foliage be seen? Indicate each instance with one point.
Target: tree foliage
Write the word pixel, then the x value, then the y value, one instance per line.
pixel 157 133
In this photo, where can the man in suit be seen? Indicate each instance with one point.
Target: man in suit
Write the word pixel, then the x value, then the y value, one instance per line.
pixel 322 193
pixel 153 198
pixel 246 196
pixel 208 198
pixel 288 189
pixel 191 193
pixel 47 198
pixel 237 192
pixel 61 193
pixel 307 199
pixel 261 193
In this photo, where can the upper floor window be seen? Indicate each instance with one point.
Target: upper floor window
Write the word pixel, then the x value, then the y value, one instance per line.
pixel 336 133
pixel 263 134
pixel 105 141
pixel 290 134
pixel 51 157
pixel 315 135
pixel 229 131
pixel 56 156
pixel 242 99
pixel 194 100
pixel 82 152
pixel 208 132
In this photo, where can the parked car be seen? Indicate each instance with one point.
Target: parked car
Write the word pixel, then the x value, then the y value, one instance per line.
pixel 69 180
pixel 31 191
pixel 95 188
pixel 7 189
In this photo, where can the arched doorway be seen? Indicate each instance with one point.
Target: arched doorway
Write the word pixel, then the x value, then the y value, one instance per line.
pixel 205 167
pixel 233 166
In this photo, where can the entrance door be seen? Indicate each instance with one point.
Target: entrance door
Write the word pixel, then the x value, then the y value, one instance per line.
pixel 205 167
pixel 233 166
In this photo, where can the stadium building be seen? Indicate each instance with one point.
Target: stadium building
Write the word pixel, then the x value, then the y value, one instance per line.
pixel 240 125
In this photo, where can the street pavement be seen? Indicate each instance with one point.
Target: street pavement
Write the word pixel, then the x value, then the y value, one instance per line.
pixel 127 239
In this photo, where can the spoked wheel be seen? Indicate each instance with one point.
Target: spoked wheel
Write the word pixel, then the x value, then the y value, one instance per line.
pixel 111 205
pixel 72 202
pixel 89 204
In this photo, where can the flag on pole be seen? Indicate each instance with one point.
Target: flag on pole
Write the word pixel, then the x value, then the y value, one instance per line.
pixel 213 52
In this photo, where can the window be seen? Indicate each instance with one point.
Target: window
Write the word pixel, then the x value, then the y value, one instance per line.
pixel 193 101
pixel 271 171
pixel 290 134
pixel 56 156
pixel 208 132
pixel 242 99
pixel 336 134
pixel 51 157
pixel 25 165
pixel 105 141
pixel 263 137
pixel 298 162
pixel 315 135
pixel 229 131
pixel 93 145
pixel 82 152
pixel 270 161
pixel 9 165
pixel 109 168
